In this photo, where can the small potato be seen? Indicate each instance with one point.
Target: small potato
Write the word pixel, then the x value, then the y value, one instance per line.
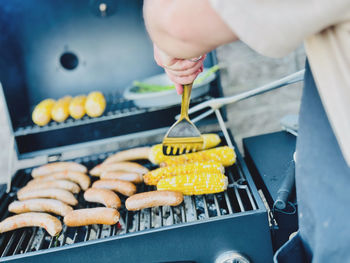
pixel 60 110
pixel 95 104
pixel 42 112
pixel 77 107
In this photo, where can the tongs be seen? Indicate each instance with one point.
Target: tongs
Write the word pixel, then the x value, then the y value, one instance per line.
pixel 216 104
pixel 183 136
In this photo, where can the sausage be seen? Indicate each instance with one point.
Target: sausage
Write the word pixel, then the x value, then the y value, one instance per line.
pixel 121 166
pixel 58 167
pixel 125 176
pixel 62 184
pixel 51 224
pixel 140 153
pixel 80 178
pixel 103 196
pixel 152 199
pixel 40 205
pixel 123 187
pixel 90 216
pixel 53 193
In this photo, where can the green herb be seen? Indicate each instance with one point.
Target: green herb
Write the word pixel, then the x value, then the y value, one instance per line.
pixel 143 87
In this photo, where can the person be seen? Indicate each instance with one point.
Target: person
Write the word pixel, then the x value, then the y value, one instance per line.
pixel 182 30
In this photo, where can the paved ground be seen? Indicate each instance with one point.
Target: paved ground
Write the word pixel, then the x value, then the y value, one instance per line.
pixel 244 70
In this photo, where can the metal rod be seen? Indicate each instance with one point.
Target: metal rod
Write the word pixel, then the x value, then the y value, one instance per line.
pixel 9 244
pixel 149 218
pixel 229 206
pixel 172 215
pixel 239 199
pixel 202 116
pixel 194 207
pixel 183 213
pixel 87 233
pixel 218 212
pixel 223 128
pixel 250 197
pixel 19 244
pixel 30 242
pixel 205 207
pixel 161 215
pixel 126 222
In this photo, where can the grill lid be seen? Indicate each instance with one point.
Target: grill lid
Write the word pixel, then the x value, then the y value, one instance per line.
pixel 49 49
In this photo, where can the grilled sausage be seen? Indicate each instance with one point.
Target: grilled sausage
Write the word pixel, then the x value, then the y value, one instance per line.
pixel 123 187
pixel 52 225
pixel 58 167
pixel 152 199
pixel 53 193
pixel 103 196
pixel 121 166
pixel 40 205
pixel 89 216
pixel 82 179
pixel 140 153
pixel 125 176
pixel 62 184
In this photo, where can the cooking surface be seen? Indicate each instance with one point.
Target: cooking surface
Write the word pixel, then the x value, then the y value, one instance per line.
pixel 238 198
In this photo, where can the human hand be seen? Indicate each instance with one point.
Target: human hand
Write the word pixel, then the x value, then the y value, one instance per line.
pixel 180 71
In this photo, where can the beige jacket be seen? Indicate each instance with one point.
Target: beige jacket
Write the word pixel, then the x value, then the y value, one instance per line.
pixel 276 27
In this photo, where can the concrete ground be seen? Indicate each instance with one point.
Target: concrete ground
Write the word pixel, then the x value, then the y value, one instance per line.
pixel 244 70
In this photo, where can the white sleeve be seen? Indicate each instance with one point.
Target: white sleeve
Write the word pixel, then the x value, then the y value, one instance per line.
pixel 276 27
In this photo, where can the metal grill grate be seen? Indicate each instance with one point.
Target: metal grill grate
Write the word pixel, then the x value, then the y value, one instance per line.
pixel 236 199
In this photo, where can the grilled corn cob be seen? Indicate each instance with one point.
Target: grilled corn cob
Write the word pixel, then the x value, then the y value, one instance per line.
pixel 152 177
pixel 95 104
pixel 156 155
pixel 42 112
pixel 77 107
pixel 60 111
pixel 195 184
pixel 224 155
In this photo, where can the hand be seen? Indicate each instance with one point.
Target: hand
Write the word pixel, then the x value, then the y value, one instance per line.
pixel 180 71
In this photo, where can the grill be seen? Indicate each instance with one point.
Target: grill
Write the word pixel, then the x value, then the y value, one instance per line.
pixel 112 50
pixel 238 200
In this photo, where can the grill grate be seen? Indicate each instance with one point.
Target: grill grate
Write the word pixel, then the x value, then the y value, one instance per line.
pixel 117 107
pixel 236 199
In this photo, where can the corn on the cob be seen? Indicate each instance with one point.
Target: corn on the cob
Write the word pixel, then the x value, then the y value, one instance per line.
pixel 195 184
pixel 77 107
pixel 224 155
pixel 95 104
pixel 42 112
pixel 152 177
pixel 156 156
pixel 60 110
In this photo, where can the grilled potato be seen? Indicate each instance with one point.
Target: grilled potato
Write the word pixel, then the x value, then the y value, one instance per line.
pixel 95 104
pixel 77 107
pixel 60 110
pixel 42 112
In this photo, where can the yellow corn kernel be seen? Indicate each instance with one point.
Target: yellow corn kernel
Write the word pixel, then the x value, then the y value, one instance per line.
pixel 152 177
pixel 42 112
pixel 210 140
pixel 60 111
pixel 95 104
pixel 77 107
pixel 195 184
pixel 224 155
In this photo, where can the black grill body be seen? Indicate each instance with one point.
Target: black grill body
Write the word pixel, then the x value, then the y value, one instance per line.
pixel 235 220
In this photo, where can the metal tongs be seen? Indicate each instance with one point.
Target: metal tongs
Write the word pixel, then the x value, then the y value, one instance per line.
pixel 216 104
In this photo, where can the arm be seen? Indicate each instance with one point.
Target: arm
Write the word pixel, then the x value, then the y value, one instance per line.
pixel 185 29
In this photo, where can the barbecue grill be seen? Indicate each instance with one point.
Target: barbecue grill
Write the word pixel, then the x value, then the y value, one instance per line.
pixel 52 49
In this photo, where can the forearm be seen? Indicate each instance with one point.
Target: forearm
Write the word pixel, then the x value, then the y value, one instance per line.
pixel 185 29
